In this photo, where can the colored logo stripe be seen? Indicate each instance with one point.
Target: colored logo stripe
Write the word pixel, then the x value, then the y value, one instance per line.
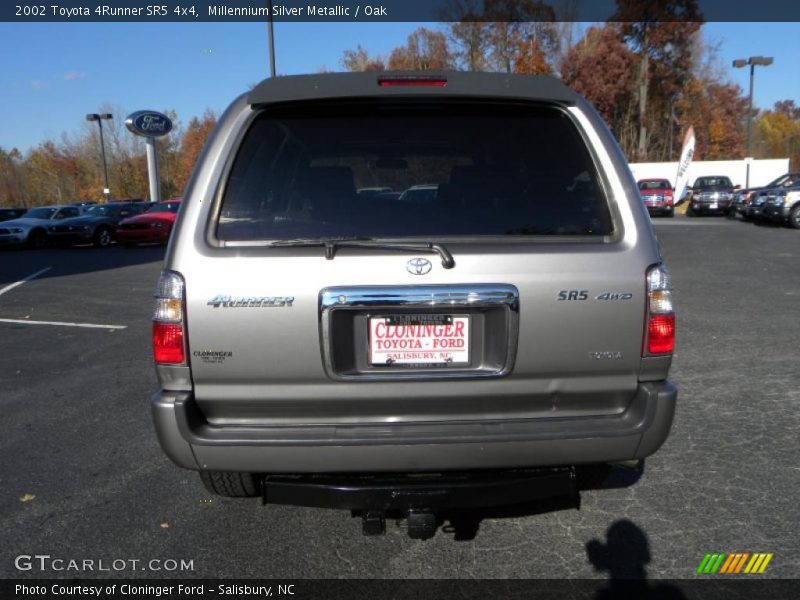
pixel 734 563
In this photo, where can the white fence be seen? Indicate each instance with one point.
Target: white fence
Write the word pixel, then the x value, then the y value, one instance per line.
pixel 762 171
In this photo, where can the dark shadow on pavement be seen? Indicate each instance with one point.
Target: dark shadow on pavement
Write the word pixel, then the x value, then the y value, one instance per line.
pixel 624 556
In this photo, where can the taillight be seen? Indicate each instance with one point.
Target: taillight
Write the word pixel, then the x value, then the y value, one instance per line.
pixel 169 341
pixel 668 197
pixel 412 81
pixel 660 331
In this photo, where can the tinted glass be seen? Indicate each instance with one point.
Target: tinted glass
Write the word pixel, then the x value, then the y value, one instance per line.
pixel 40 213
pixel 710 182
pixel 164 207
pixel 103 210
pixel 654 184
pixel 69 212
pixel 448 169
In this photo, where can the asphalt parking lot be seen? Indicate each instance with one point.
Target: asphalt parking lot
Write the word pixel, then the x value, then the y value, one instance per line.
pixel 82 475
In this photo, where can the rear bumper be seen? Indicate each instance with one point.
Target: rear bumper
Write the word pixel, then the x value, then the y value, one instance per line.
pixel 706 208
pixel 13 239
pixel 659 209
pixel 191 442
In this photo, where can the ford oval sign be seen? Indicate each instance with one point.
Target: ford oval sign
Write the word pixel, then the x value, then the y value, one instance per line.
pixel 148 123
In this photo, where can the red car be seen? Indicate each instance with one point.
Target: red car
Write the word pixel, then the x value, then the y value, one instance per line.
pixel 152 226
pixel 657 195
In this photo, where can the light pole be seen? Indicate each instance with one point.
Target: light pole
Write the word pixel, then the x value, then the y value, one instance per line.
pixel 99 118
pixel 764 61
pixel 271 33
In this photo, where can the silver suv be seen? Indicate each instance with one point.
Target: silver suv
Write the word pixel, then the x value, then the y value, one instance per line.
pixel 320 346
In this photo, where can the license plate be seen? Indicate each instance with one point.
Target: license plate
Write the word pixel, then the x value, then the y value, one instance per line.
pixel 419 340
pixel 713 205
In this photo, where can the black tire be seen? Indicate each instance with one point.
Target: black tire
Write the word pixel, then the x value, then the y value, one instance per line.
pixel 794 217
pixel 232 484
pixel 37 239
pixel 102 237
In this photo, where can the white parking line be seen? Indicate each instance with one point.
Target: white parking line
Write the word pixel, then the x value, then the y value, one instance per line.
pixel 63 324
pixel 11 286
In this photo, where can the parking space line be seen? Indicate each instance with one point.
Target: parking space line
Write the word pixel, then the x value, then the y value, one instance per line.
pixel 63 324
pixel 11 286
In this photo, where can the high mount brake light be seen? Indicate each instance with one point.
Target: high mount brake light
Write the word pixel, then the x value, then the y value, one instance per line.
pixel 169 343
pixel 660 314
pixel 412 81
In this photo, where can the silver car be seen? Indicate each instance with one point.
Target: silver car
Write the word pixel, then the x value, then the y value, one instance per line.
pixel 315 346
pixel 31 228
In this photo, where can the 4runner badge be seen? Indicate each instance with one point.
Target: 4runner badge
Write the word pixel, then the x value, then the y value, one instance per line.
pixel 250 301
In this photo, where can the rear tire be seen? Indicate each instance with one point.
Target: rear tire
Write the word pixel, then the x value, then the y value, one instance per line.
pixel 232 484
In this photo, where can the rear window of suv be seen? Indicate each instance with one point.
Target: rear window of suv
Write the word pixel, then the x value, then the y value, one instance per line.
pixel 444 169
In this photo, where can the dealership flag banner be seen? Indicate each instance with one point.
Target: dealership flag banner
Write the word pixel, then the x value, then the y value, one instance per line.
pixel 687 152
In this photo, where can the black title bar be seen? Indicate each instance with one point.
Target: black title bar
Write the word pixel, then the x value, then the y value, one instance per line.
pixel 376 11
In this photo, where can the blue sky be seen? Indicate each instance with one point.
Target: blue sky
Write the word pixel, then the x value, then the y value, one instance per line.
pixel 54 73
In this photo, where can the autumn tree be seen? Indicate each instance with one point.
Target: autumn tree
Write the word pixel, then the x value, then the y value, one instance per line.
pixel 192 142
pixel 777 133
pixel 70 169
pixel 531 59
pixel 469 43
pixel 602 68
pixel 425 49
pixel 715 110
pixel 12 191
pixel 360 60
pixel 661 34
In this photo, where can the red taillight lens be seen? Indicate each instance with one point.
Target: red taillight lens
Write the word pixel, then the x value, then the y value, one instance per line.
pixel 168 343
pixel 412 81
pixel 661 334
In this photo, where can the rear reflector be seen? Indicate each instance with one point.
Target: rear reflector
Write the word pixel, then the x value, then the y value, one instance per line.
pixel 412 81
pixel 661 334
pixel 168 343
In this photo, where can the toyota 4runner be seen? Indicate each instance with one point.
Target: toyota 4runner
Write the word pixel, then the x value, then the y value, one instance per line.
pixel 320 346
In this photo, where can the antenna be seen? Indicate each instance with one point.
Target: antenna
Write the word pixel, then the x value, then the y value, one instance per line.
pixel 271 34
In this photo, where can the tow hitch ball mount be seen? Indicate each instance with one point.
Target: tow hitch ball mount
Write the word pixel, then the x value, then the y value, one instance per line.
pixel 420 499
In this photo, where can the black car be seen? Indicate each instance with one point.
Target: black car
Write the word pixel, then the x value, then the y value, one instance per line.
pixel 711 196
pixel 96 226
pixel 783 205
pixel 6 214
pixel 742 198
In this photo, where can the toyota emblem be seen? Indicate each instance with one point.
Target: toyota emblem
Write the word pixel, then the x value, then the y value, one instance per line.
pixel 419 266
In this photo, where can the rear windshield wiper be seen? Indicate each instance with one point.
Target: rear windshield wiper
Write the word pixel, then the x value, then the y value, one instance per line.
pixel 332 244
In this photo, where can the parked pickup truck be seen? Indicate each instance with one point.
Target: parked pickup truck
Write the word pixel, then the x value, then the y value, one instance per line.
pixel 323 347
